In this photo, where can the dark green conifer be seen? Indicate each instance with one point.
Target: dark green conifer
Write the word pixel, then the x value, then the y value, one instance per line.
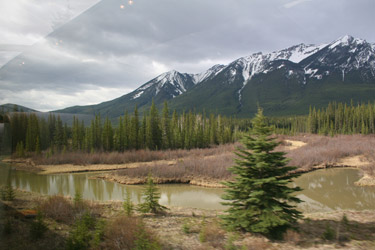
pixel 151 198
pixel 134 130
pixel 259 198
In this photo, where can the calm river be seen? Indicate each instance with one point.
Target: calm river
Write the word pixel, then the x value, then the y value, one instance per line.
pixel 323 190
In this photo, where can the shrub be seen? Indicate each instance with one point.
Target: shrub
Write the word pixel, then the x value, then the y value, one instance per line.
pixel 129 233
pixel 186 227
pixel 58 208
pixel 329 233
pixel 151 198
pixel 98 236
pixel 77 198
pixel 212 234
pixel 120 234
pixel 143 240
pixel 128 205
pixel 292 236
pixel 345 220
pixel 7 193
pixel 229 245
pixel 80 235
pixel 8 227
pixel 88 220
pixel 38 227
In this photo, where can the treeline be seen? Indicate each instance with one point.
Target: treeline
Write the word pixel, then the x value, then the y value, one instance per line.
pixel 339 118
pixel 153 131
pixel 162 130
pixel 336 118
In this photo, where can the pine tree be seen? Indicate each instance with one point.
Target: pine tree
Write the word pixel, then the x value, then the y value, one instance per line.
pixel 166 127
pixel 58 134
pixel 107 135
pixel 134 130
pixel 128 205
pixel 37 146
pixel 154 133
pixel 151 198
pixel 259 195
pixel 126 132
pixel 76 140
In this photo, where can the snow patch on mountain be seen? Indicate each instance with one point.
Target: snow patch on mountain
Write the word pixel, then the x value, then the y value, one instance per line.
pixel 259 63
pixel 137 95
pixel 211 72
pixel 346 40
pixel 296 53
pixel 342 55
pixel 173 78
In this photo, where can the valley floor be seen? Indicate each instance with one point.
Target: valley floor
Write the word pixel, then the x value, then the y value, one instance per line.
pixel 208 167
pixel 185 228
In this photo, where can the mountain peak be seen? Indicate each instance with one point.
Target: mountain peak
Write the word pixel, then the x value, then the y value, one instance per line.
pixel 213 71
pixel 287 74
pixel 346 40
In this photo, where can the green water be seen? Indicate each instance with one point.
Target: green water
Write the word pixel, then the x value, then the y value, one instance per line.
pixel 324 190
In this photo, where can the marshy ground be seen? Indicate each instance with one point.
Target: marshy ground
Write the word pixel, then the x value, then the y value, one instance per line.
pixel 208 167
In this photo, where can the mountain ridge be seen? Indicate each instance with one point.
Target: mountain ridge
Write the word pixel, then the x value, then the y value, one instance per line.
pixel 231 89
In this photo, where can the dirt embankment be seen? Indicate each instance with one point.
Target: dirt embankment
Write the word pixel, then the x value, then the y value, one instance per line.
pixel 197 181
pixel 29 165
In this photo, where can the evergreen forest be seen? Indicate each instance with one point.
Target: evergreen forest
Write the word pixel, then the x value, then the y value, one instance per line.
pixel 160 130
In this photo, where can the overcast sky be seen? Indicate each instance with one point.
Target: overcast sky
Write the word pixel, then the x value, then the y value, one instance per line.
pixel 61 53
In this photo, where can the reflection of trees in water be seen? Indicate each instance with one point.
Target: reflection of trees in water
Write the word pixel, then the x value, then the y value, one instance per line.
pixel 3 174
pixel 335 188
pixel 95 187
pixel 29 181
pixel 62 184
pixel 79 183
pixel 109 189
pixel 135 193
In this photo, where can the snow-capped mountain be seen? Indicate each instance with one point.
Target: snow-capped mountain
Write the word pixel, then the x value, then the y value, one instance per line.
pixel 282 82
pixel 174 83
pixel 345 55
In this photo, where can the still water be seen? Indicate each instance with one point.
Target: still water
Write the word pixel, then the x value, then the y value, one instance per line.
pixel 323 190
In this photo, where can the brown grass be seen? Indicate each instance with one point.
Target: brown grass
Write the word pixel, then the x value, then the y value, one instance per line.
pixel 319 151
pixel 123 231
pixel 212 163
pixel 213 234
pixel 80 158
pixel 213 167
pixel 330 150
pixel 64 210
pixel 292 236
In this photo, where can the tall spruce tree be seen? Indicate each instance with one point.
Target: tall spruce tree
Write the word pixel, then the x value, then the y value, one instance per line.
pixel 259 197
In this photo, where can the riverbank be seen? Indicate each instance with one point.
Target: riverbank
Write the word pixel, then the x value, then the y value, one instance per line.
pixel 208 167
pixel 183 228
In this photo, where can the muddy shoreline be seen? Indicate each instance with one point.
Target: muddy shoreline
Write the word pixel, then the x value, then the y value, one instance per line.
pixel 28 165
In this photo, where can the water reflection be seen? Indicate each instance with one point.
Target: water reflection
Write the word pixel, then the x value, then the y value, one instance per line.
pixel 324 190
pixel 333 189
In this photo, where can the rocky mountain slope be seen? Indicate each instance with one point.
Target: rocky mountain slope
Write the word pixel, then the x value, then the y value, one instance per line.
pixel 284 82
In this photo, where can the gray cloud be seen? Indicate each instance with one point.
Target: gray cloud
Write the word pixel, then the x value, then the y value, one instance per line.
pixel 112 50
